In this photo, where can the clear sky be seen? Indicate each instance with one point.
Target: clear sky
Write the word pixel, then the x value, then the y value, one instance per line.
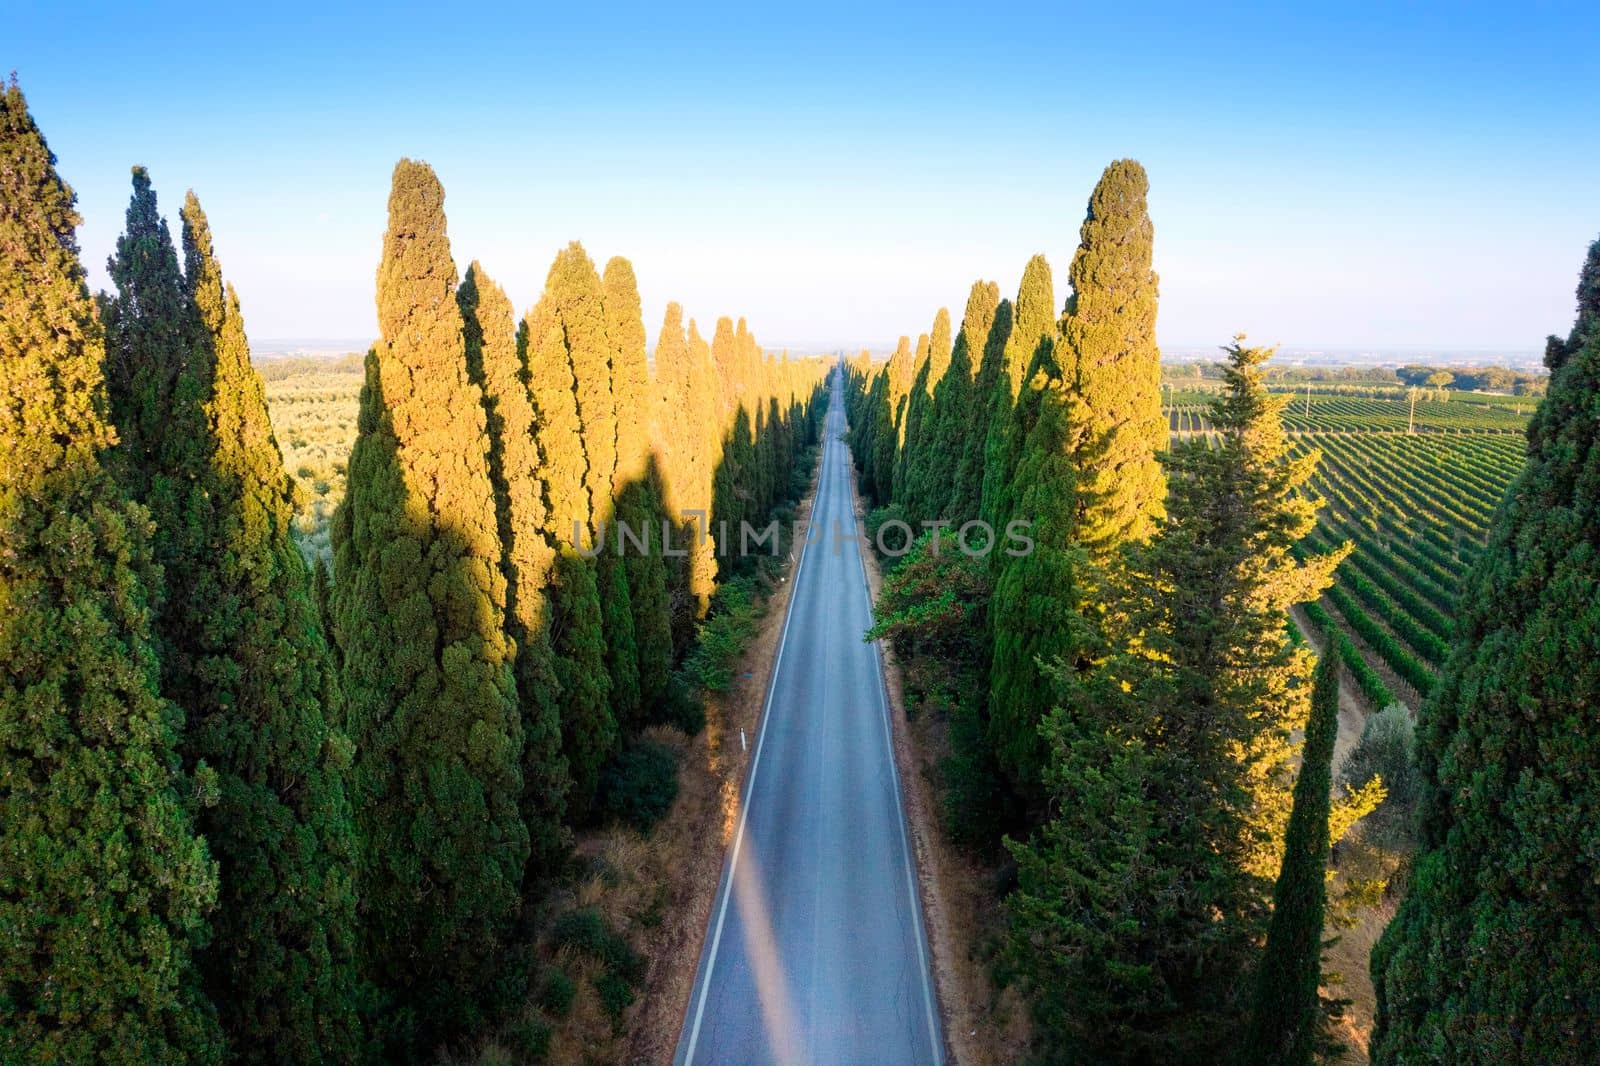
pixel 1391 175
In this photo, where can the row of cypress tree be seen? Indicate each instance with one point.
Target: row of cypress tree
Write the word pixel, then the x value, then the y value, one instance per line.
pixel 1129 725
pixel 246 821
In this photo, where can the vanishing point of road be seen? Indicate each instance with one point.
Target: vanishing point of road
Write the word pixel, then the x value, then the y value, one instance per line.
pixel 815 952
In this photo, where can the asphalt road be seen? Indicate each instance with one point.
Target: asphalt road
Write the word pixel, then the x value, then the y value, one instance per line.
pixel 815 951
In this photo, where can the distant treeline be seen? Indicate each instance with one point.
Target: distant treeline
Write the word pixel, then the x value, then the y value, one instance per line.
pixel 280 367
pixel 1469 379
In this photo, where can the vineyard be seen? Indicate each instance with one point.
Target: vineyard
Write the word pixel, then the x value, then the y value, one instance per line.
pixel 1416 509
pixel 1326 412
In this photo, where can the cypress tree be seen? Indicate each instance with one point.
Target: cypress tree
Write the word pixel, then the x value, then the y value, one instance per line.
pixel 1168 775
pixel 283 967
pixel 910 421
pixel 1111 359
pixel 1037 596
pixel 1028 346
pixel 104 883
pixel 953 403
pixel 637 484
pixel 419 608
pixel 886 442
pixel 685 442
pixel 1285 1018
pixel 1492 956
pixel 966 497
pixel 569 316
pixel 527 560
pixel 924 496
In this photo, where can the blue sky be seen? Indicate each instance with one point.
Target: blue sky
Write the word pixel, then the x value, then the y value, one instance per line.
pixel 1394 175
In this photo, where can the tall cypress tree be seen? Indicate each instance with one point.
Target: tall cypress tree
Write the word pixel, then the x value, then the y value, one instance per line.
pixel 1113 364
pixel 637 484
pixel 419 608
pixel 283 967
pixel 686 437
pixel 1492 956
pixel 1029 345
pixel 948 496
pixel 569 315
pixel 911 420
pixel 966 498
pixel 924 496
pixel 494 365
pixel 886 442
pixel 584 322
pixel 1286 1014
pixel 104 883
pixel 1168 776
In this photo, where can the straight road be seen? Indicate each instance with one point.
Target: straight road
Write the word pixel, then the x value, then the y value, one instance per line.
pixel 815 951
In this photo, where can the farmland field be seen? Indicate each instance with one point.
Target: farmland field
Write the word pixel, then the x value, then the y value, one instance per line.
pixel 314 418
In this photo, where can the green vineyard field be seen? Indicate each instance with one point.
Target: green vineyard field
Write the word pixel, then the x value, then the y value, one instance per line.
pixel 1415 507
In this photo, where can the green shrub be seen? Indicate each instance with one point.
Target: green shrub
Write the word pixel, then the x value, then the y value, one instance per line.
pixel 638 785
pixel 531 1037
pixel 616 995
pixel 730 624
pixel 557 993
pixel 586 931
pixel 682 706
pixel 1387 750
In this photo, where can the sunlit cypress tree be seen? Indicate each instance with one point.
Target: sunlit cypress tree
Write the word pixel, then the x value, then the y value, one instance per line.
pixel 494 364
pixel 1113 365
pixel 637 483
pixel 886 442
pixel 283 966
pixel 961 395
pixel 1169 758
pixel 687 431
pixel 1286 1016
pixel 911 421
pixel 584 322
pixel 1028 345
pixel 104 883
pixel 1492 956
pixel 419 608
pixel 569 314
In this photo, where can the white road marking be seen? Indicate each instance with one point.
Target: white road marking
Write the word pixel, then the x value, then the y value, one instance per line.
pixel 755 765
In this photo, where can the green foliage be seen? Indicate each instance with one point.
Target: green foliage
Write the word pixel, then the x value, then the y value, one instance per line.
pixel 1111 361
pixel 730 624
pixel 1170 754
pixel 252 669
pixel 1028 348
pixel 1386 751
pixel 104 884
pixel 585 931
pixel 1285 1016
pixel 527 560
pixel 531 1037
pixel 924 490
pixel 639 784
pixel 1492 956
pixel 563 335
pixel 556 993
pixel 419 607
pixel 954 479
